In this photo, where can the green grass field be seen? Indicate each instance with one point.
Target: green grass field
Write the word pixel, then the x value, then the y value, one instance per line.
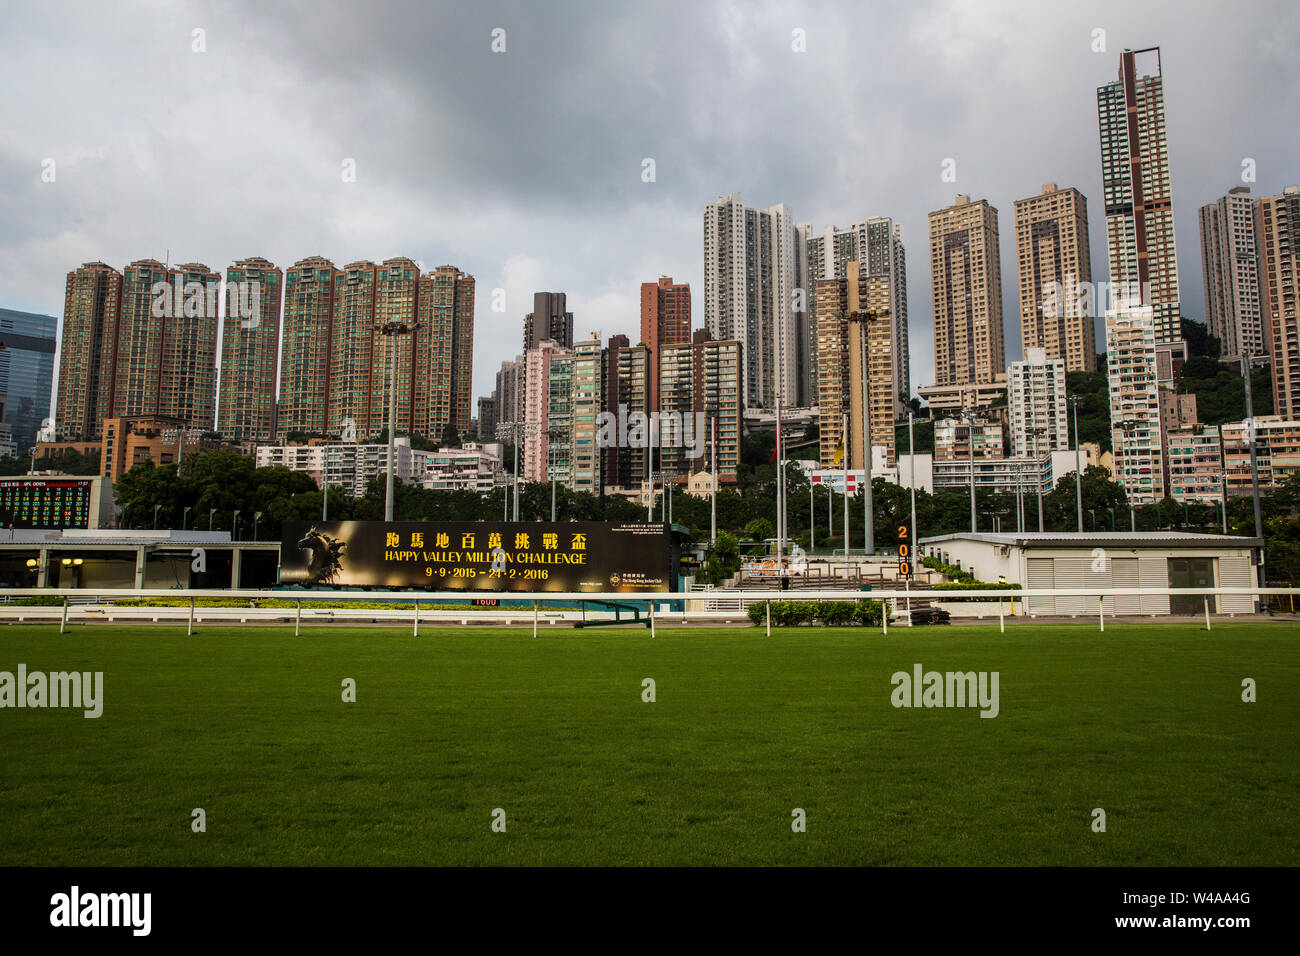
pixel 1145 721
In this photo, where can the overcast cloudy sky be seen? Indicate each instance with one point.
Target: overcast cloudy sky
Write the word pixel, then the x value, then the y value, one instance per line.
pixel 524 167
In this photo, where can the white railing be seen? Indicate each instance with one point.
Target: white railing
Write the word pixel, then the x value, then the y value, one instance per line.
pixel 716 606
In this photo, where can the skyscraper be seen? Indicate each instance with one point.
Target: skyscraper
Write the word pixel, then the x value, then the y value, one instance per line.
pixel 548 320
pixel 352 340
pixel 1136 434
pixel 1277 236
pixel 966 287
pixel 88 351
pixel 305 352
pixel 397 284
pixel 1037 415
pixel 751 271
pixel 877 245
pixel 1230 272
pixel 444 353
pixel 536 402
pixel 26 373
pixel 855 339
pixel 166 357
pixel 700 389
pixel 665 319
pixel 1138 198
pixel 586 402
pixel 249 348
pixel 1055 268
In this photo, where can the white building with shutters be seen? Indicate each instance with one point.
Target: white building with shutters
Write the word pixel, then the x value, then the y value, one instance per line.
pixel 1101 561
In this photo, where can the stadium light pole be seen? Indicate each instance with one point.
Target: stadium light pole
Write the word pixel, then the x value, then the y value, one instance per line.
pixel 514 431
pixel 1078 463
pixel 911 454
pixel 391 330
pixel 1254 471
pixel 970 436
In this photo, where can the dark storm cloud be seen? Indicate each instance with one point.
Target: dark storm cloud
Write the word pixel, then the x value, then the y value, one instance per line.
pixel 524 168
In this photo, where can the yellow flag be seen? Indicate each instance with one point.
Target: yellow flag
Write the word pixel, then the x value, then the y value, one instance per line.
pixel 839 452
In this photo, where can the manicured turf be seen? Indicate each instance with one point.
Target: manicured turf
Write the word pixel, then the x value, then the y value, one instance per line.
pixel 1145 721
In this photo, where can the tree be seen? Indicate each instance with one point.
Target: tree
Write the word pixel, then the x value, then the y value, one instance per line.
pixel 724 561
pixel 450 436
pixel 760 529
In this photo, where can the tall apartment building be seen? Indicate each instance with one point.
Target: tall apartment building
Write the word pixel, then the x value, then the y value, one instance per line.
pixel 559 418
pixel 1038 416
pixel 1277 453
pixel 305 355
pixel 586 402
pixel 855 365
pixel 752 269
pixel 1136 434
pixel 1138 199
pixel 700 388
pixel 92 299
pixel 487 417
pixel 876 244
pixel 26 373
pixel 507 406
pixel 397 290
pixel 1230 271
pixel 952 440
pixel 549 320
pixel 627 391
pixel 966 284
pixel 1055 268
pixel 249 350
pixel 352 341
pixel 1277 238
pixel 165 362
pixel 444 353
pixel 1195 460
pixel 536 401
pixel 665 319
pixel 187 380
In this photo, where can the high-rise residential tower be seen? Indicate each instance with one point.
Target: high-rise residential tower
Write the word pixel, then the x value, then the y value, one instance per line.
pixel 1055 269
pixel 855 374
pixel 752 270
pixel 26 373
pixel 305 350
pixel 352 342
pixel 1037 415
pixel 665 319
pixel 1277 237
pixel 1138 199
pixel 966 287
pixel 87 351
pixel 1136 433
pixel 444 353
pixel 1230 271
pixel 877 245
pixel 549 320
pixel 249 348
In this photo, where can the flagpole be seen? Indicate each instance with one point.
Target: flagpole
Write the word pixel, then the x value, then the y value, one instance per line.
pixel 844 460
pixel 780 500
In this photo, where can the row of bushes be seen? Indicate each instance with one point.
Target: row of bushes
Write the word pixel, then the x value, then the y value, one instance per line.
pixel 963 580
pixel 947 570
pixel 828 613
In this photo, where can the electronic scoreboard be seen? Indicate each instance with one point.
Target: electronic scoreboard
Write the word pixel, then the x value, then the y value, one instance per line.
pixel 32 502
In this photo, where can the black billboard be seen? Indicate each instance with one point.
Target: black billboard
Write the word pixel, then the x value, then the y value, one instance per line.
pixel 45 502
pixel 477 556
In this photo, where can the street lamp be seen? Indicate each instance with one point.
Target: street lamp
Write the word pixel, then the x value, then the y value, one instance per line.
pixel 210 514
pixel 257 516
pixel 234 527
pixel 391 330
pixel 185 518
pixel 156 509
pixel 1092 516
